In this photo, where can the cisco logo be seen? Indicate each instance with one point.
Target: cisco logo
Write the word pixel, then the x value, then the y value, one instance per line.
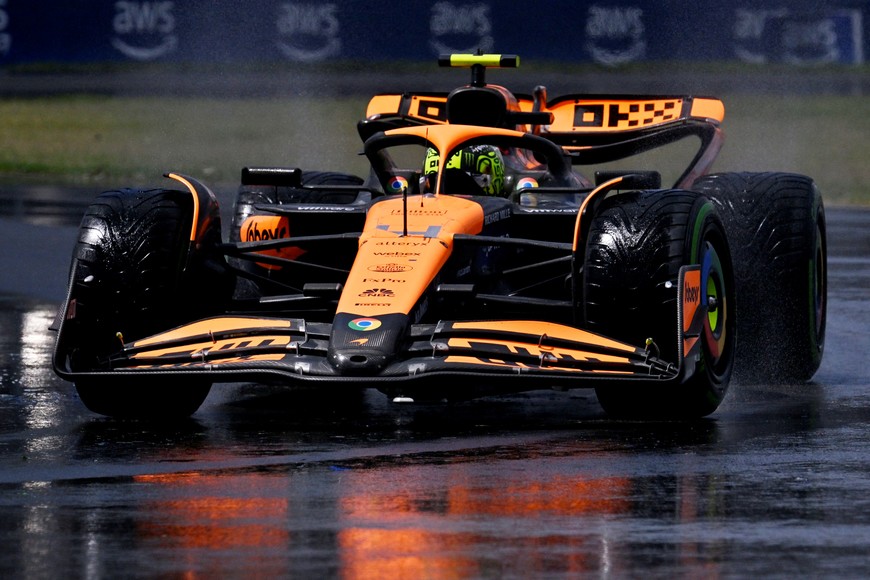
pixel 462 28
pixel 308 32
pixel 144 30
pixel 5 37
pixel 615 34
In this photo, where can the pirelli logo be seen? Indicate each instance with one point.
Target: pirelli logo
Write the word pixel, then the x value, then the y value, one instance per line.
pixel 624 114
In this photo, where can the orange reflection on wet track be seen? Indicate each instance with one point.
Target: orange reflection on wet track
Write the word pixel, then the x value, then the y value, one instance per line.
pixel 395 533
pixel 216 521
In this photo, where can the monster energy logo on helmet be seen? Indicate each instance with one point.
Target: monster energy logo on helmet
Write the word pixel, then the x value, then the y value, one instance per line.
pixel 483 163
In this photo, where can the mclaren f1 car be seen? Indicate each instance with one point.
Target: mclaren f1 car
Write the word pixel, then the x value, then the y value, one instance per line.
pixel 500 243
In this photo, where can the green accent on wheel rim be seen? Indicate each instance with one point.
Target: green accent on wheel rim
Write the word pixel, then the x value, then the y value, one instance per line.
pixel 716 292
pixel 696 231
pixel 713 315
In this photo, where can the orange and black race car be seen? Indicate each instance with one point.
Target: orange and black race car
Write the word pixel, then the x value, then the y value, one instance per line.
pixel 501 243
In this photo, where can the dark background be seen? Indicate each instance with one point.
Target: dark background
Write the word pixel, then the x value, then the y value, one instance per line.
pixel 608 32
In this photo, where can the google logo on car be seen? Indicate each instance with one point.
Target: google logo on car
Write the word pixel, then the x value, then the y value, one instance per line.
pixel 398 184
pixel 364 324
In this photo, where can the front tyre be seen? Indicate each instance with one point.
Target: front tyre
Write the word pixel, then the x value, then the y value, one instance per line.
pixel 135 273
pixel 140 398
pixel 637 243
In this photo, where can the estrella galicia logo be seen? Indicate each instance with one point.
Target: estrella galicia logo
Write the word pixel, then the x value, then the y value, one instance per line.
pixel 308 31
pixel 390 268
pixel 144 30
pixel 460 28
pixel 364 324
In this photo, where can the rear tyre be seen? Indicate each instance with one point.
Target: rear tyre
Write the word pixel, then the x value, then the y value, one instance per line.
pixel 776 228
pixel 636 246
pixel 134 275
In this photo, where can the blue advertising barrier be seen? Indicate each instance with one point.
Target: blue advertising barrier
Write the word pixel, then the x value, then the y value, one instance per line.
pixel 608 32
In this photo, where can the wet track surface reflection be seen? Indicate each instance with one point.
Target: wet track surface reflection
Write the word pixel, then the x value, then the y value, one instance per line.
pixel 266 482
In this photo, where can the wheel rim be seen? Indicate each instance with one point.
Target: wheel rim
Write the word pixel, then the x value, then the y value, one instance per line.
pixel 817 286
pixel 715 298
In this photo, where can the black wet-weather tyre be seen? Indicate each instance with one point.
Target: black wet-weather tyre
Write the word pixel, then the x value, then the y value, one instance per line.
pixel 133 276
pixel 637 243
pixel 154 399
pixel 777 231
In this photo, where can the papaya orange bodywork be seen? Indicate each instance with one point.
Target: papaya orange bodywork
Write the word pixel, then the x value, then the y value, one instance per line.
pixel 196 209
pixel 392 270
pixel 708 109
pixel 691 303
pixel 546 330
pixel 216 325
pixel 384 104
pixel 270 227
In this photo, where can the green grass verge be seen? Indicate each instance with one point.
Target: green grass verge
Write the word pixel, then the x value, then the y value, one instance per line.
pixel 109 142
pixel 101 141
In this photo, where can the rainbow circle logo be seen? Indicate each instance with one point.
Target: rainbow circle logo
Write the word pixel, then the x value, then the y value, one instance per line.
pixel 364 324
pixel 398 184
pixel 526 182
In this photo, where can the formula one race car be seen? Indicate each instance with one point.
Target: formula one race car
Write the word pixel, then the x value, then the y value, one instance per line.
pixel 476 258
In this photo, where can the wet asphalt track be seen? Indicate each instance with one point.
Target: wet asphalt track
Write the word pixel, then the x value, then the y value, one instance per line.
pixel 264 482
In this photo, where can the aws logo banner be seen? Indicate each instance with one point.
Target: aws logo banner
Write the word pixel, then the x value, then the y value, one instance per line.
pixel 144 31
pixel 615 34
pixel 308 31
pixel 826 35
pixel 5 37
pixel 460 27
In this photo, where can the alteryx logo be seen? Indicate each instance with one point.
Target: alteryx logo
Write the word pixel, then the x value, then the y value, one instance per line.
pixel 144 30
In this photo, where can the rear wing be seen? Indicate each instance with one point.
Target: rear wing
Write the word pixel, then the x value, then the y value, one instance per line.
pixel 413 108
pixel 570 114
pixel 591 128
pixel 600 129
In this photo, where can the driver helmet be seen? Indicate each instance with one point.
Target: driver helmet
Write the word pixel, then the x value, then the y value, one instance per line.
pixel 484 163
